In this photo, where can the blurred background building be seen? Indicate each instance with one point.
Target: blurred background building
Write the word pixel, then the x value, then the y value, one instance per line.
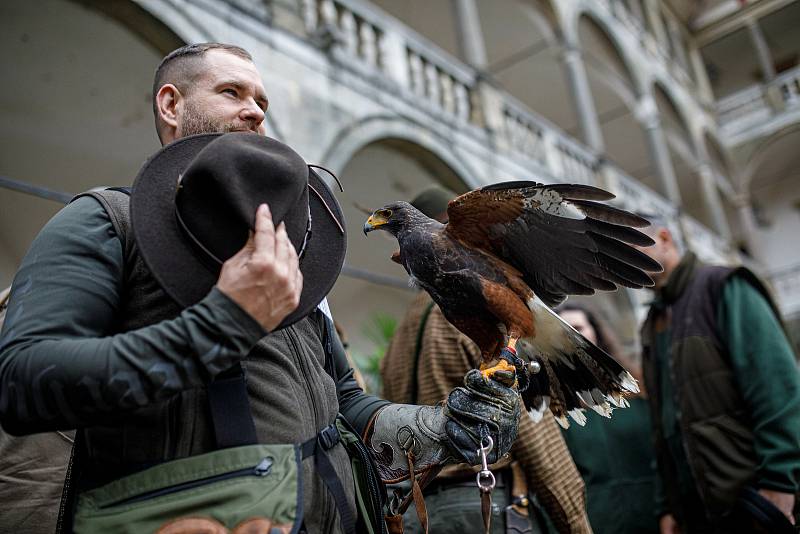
pixel 686 108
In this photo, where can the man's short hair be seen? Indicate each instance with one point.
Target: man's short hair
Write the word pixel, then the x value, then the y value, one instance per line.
pixel 180 67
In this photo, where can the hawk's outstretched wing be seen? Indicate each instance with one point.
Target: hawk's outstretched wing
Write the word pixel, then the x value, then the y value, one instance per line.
pixel 559 236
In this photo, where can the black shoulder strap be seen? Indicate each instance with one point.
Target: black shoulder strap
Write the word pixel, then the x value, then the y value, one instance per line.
pixel 231 415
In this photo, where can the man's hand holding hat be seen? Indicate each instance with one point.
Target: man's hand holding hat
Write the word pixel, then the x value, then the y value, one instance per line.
pixel 264 277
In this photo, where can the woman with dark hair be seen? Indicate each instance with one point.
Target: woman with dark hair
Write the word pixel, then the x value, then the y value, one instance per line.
pixel 614 456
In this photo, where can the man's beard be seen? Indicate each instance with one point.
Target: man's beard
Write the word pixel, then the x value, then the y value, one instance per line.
pixel 197 121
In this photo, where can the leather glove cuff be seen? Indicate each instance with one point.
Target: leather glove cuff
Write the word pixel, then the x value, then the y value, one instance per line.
pixel 399 428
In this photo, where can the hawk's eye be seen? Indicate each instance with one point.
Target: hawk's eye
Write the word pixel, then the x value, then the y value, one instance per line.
pixel 385 213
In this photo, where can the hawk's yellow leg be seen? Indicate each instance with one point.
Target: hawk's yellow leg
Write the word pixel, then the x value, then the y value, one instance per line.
pixel 488 370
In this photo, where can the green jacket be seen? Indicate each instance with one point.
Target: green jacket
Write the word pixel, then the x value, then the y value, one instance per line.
pixel 76 353
pixel 724 389
pixel 615 458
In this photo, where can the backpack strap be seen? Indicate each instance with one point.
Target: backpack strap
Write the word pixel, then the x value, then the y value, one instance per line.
pixel 116 203
pixel 417 351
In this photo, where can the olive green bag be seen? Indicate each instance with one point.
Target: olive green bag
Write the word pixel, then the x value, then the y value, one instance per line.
pixel 237 489
pixel 241 487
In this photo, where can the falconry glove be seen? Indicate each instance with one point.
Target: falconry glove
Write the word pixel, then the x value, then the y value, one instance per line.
pixel 435 435
pixel 482 406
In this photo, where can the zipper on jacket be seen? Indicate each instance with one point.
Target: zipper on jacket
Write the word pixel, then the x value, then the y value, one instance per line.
pixel 305 371
pixel 262 469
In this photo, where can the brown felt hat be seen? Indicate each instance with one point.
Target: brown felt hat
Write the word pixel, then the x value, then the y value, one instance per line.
pixel 193 206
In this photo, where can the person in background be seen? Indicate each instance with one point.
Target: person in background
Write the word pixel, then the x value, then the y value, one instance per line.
pixel 614 456
pixel 426 358
pixel 724 391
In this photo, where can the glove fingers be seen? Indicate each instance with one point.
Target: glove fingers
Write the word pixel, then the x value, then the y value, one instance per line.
pixel 467 404
pixel 474 380
pixel 466 444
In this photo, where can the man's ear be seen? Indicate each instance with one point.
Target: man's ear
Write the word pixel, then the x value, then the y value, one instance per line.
pixel 167 100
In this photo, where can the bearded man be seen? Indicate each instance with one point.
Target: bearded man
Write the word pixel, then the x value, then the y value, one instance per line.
pixel 122 318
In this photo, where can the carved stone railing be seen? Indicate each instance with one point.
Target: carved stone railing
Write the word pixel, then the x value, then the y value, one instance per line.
pixel 397 59
pixel 525 133
pixel 369 41
pixel 706 244
pixel 446 86
pixel 649 42
pixel 759 103
pixel 577 163
pixel 633 195
pixel 530 136
pixel 786 283
pixel 788 84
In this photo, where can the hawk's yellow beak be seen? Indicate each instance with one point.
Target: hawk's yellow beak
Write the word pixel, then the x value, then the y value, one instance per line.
pixel 374 222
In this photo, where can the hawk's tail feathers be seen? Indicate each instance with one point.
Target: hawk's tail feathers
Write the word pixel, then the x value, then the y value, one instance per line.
pixel 575 373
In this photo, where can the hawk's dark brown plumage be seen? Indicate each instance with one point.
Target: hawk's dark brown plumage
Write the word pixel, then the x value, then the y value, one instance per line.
pixel 509 253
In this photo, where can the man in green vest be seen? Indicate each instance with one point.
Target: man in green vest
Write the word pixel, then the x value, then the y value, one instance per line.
pixel 725 397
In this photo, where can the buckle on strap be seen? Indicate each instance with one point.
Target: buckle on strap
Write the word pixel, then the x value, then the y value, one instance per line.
pixel 328 437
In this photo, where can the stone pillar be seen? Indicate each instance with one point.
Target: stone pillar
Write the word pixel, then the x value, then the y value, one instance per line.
pixel 470 35
pixel 654 21
pixel 701 74
pixel 647 115
pixel 748 225
pixel 712 200
pixel 578 81
pixel 762 50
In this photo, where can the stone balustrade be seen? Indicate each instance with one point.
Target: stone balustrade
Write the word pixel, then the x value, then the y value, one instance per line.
pixel 619 9
pixel 530 136
pixel 372 43
pixel 788 84
pixel 760 104
pixel 708 246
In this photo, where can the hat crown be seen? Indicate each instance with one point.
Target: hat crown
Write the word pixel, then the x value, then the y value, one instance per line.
pixel 221 189
pixel 184 233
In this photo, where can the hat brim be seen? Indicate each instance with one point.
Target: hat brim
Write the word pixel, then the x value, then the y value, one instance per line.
pixel 174 262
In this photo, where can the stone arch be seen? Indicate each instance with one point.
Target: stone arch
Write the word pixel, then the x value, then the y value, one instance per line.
pixel 91 106
pixel 377 168
pixel 770 183
pixel 616 58
pixel 673 115
pixel 615 91
pixel 148 26
pixel 719 157
pixel 372 129
pixel 542 14
pixel 524 45
pixel 759 153
pixel 682 151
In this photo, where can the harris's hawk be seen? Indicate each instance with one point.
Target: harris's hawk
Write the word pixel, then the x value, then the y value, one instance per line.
pixel 508 254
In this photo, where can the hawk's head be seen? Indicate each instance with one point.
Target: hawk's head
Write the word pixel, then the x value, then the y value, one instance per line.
pixel 394 217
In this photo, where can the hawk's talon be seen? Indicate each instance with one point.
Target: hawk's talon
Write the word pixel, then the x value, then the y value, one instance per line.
pixel 502 366
pixel 510 354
